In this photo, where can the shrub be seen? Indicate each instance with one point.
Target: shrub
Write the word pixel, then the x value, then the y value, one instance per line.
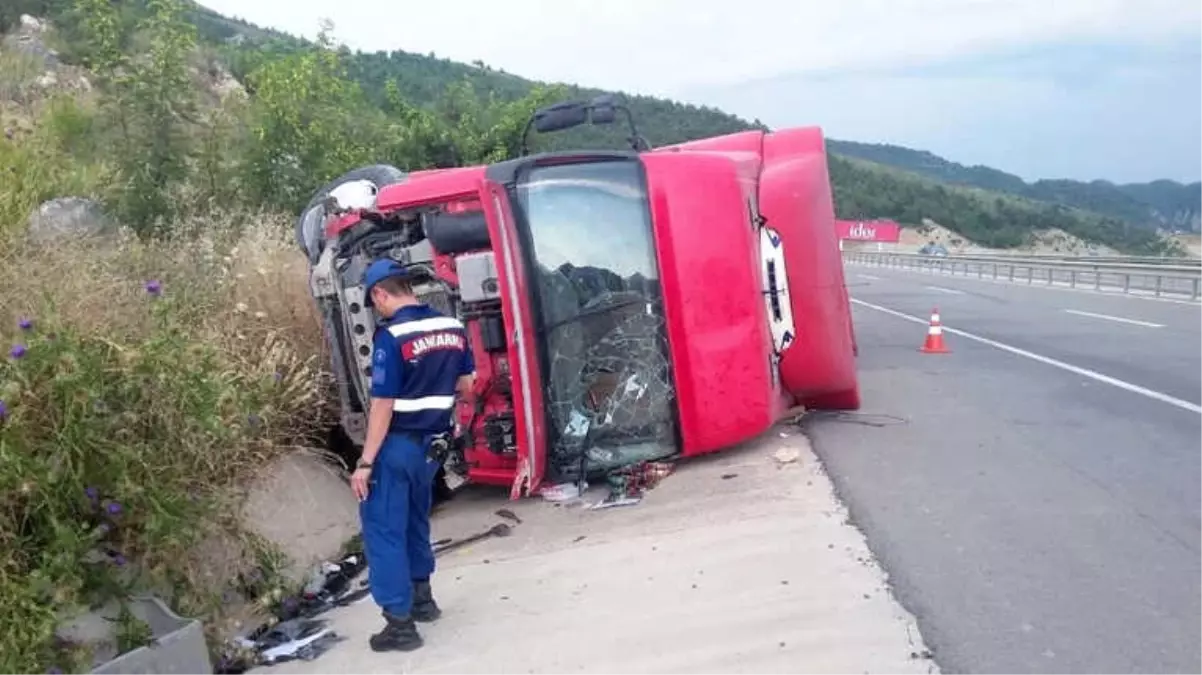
pixel 141 382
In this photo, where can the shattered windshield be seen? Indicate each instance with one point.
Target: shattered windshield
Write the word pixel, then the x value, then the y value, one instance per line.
pixel 607 382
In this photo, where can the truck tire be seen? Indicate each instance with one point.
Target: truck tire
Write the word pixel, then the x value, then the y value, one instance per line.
pixel 312 217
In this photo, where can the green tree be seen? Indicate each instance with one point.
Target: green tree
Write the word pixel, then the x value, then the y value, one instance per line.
pixel 158 104
pixel 308 124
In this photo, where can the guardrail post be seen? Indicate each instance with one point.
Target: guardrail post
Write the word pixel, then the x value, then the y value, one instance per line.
pixel 1127 282
pixel 994 270
pixel 1194 294
pixel 1011 271
pixel 1097 278
pixel 1030 275
pixel 1072 279
pixel 1159 281
pixel 980 271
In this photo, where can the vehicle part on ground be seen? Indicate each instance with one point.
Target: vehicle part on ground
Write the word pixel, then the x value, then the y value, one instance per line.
pixel 498 530
pixel 622 306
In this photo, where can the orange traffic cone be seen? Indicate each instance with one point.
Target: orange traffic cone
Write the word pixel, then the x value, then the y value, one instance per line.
pixel 934 342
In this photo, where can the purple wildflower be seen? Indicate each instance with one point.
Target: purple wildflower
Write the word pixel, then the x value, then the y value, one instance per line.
pixel 3 411
pixel 119 560
pixel 18 351
pixel 278 376
pixel 154 287
pixel 113 508
pixel 92 492
pixel 254 421
pixel 25 324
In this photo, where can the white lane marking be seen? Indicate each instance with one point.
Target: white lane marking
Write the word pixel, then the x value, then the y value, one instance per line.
pixel 941 289
pixel 868 277
pixel 1134 322
pixel 1084 372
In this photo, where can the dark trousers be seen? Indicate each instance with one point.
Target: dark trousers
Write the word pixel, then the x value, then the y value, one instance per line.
pixel 396 522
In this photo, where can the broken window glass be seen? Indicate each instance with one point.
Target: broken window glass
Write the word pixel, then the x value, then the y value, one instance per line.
pixel 607 378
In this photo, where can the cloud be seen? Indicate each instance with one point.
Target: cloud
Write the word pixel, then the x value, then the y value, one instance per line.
pixel 655 46
pixel 1120 112
pixel 1042 88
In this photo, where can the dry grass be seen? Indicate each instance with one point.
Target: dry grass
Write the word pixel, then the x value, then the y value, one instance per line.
pixel 243 286
pixel 162 403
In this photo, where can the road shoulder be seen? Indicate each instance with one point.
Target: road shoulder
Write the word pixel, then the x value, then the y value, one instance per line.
pixel 735 563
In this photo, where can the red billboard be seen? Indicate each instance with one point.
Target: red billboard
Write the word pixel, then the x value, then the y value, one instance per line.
pixel 868 230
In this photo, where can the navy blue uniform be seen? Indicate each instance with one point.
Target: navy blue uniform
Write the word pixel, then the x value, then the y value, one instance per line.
pixel 419 356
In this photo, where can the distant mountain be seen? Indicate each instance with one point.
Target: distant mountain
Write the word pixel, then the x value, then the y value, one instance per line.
pixel 988 206
pixel 1163 203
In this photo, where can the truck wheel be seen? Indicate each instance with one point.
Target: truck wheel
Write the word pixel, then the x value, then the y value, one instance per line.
pixel 312 218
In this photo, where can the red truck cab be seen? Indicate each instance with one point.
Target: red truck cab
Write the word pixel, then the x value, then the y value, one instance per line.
pixel 621 306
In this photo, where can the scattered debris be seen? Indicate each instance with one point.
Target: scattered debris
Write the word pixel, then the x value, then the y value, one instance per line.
pixel 498 530
pixel 786 455
pixel 616 499
pixel 303 639
pixel 579 539
pixel 509 515
pixel 564 492
pixel 294 633
pixel 627 485
pixel 728 476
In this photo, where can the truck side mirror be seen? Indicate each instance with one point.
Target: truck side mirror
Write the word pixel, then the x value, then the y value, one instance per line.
pixel 604 115
pixel 560 116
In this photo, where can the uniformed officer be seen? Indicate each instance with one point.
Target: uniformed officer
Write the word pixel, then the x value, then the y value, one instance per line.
pixel 420 362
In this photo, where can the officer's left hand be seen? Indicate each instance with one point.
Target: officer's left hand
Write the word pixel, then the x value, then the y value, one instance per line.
pixel 359 481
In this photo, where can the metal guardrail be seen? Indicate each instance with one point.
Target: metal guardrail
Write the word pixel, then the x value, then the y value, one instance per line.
pixel 1125 277
pixel 1101 259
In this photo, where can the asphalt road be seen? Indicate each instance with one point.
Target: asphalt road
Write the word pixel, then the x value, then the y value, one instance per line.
pixel 1037 511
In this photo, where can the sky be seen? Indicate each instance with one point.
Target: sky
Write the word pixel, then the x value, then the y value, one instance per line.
pixel 1079 89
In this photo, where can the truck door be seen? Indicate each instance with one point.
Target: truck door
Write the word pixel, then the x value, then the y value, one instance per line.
pixel 523 361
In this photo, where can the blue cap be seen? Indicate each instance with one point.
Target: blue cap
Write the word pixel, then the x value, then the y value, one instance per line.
pixel 380 270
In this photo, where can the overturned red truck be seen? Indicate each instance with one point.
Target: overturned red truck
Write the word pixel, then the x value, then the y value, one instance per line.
pixel 621 305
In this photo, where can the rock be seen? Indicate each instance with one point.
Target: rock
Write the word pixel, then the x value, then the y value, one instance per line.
pixel 47 80
pixel 228 87
pixel 68 217
pixel 302 505
pixel 223 83
pixel 786 455
pixel 29 39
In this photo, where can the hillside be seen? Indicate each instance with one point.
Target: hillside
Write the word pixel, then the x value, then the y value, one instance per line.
pixel 446 95
pixel 1163 203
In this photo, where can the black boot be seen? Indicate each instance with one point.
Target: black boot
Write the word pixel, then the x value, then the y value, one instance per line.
pixel 399 635
pixel 424 607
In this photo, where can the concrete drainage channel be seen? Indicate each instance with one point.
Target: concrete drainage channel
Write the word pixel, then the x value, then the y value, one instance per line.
pixel 177 645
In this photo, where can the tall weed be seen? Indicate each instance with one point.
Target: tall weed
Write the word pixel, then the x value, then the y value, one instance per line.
pixel 141 382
